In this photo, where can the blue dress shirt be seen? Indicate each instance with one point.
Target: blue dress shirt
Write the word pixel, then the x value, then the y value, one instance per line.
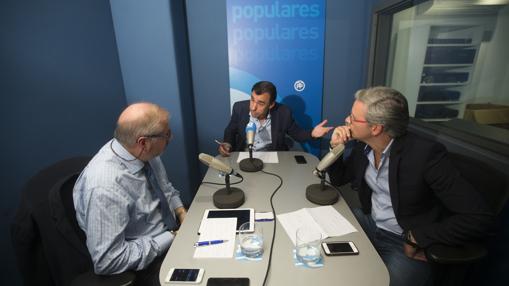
pixel 263 137
pixel 378 180
pixel 118 211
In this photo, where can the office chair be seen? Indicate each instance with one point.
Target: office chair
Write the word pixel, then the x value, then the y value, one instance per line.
pixel 50 247
pixel 453 263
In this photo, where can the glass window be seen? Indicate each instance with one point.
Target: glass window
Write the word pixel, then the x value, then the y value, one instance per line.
pixel 450 59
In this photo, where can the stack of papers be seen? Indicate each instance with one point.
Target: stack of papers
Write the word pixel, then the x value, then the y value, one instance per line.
pixel 217 229
pixel 325 220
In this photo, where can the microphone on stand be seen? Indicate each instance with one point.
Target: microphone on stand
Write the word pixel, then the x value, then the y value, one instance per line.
pixel 227 197
pixel 250 164
pixel 320 193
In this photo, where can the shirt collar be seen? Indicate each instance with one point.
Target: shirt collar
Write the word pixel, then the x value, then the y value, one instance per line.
pixel 385 152
pixel 254 119
pixel 134 166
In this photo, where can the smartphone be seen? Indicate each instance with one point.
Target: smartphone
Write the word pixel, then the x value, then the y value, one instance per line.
pixel 185 275
pixel 300 159
pixel 226 281
pixel 339 248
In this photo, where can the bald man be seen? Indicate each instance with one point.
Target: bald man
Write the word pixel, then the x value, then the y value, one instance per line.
pixel 124 202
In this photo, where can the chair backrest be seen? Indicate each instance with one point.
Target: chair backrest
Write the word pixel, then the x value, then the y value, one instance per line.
pixel 42 236
pixel 490 182
pixel 66 190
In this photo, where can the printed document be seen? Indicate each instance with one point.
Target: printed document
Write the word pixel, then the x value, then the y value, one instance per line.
pixel 326 220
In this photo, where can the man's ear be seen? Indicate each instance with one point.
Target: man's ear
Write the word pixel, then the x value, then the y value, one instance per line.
pixel 141 141
pixel 272 104
pixel 377 129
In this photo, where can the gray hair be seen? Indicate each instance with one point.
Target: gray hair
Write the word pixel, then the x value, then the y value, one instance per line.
pixel 147 121
pixel 387 107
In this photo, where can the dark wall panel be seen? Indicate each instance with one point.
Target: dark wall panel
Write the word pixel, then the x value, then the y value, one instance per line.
pixel 60 92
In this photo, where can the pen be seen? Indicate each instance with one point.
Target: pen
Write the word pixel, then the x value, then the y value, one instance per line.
pixel 264 219
pixel 210 242
pixel 218 142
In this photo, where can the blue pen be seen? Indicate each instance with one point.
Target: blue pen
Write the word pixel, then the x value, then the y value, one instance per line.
pixel 264 219
pixel 210 242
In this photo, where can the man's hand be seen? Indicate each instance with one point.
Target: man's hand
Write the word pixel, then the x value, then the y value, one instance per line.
pixel 412 251
pixel 320 130
pixel 341 135
pixel 224 149
pixel 181 213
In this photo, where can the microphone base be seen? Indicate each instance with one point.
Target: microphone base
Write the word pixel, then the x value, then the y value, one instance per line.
pixel 224 200
pixel 251 165
pixel 322 195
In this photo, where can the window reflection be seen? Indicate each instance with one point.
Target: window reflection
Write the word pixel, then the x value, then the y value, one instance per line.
pixel 450 60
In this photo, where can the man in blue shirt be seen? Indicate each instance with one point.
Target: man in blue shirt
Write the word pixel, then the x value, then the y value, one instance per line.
pixel 124 202
pixel 273 122
pixel 410 193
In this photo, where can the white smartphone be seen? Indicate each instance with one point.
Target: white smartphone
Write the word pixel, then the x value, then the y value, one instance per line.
pixel 339 248
pixel 185 275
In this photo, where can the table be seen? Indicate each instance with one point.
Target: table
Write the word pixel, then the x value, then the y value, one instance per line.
pixel 367 268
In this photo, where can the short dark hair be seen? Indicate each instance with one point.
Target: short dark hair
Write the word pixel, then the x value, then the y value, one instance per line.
pixel 262 87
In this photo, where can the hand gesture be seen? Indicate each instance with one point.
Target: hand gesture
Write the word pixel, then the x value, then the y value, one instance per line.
pixel 320 130
pixel 341 135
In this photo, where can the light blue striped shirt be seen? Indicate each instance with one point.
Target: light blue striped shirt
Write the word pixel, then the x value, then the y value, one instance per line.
pixel 378 180
pixel 263 137
pixel 116 208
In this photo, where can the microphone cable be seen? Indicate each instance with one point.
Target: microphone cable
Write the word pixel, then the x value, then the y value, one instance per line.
pixel 223 184
pixel 274 228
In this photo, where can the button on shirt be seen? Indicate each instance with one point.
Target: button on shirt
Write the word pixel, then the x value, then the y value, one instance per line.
pixel 263 138
pixel 378 180
pixel 118 211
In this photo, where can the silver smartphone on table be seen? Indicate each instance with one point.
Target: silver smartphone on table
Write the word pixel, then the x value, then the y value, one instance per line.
pixel 340 248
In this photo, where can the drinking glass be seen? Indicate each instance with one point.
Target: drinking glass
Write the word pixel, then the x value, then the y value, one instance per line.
pixel 307 245
pixel 251 243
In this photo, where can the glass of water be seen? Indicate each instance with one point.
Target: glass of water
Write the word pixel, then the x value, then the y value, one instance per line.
pixel 251 243
pixel 307 245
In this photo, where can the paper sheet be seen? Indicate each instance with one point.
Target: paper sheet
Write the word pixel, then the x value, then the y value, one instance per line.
pixel 266 157
pixel 325 220
pixel 331 221
pixel 214 229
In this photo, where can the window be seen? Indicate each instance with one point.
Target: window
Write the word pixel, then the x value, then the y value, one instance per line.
pixel 450 59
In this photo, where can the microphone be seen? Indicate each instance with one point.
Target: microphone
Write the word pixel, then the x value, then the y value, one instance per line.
pixel 330 158
pixel 250 164
pixel 227 197
pixel 218 165
pixel 320 193
pixel 250 133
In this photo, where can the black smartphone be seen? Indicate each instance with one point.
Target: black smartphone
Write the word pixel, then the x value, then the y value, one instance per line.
pixel 300 159
pixel 227 281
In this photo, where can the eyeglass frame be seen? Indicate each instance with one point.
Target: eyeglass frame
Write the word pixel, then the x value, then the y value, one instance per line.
pixel 352 119
pixel 168 135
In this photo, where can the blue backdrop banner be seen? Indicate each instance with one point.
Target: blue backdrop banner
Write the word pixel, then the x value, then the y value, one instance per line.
pixel 282 42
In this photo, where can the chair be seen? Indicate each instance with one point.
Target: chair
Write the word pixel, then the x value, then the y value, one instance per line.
pixel 50 247
pixel 454 262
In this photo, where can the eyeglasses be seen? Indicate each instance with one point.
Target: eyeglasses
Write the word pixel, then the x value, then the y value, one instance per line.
pixel 352 119
pixel 168 135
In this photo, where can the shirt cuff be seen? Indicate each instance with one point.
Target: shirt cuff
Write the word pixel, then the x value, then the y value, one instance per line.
pixel 163 241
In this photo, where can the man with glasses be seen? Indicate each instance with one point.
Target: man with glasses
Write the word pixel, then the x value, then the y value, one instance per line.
pixel 273 122
pixel 124 202
pixel 410 193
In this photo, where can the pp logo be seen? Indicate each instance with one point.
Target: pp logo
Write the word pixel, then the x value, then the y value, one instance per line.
pixel 299 85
